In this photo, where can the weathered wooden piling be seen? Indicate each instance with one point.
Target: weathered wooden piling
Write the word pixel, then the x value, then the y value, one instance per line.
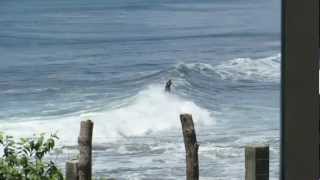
pixel 191 146
pixel 85 148
pixel 257 162
pixel 72 171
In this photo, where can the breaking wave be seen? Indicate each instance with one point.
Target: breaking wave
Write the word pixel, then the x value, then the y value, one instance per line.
pixel 150 110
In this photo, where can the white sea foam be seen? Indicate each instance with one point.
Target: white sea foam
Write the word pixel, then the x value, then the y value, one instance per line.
pixel 151 110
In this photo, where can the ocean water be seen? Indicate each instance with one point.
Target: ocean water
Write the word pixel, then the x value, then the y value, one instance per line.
pixel 66 61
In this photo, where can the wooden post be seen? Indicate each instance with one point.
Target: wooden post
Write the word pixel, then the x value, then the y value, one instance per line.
pixel 85 148
pixel 72 170
pixel 191 146
pixel 257 162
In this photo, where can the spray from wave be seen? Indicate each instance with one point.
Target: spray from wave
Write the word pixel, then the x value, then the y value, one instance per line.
pixel 150 110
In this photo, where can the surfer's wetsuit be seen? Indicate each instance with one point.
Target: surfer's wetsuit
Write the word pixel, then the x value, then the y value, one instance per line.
pixel 168 86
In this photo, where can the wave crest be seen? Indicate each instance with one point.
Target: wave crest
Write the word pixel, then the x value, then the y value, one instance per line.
pixel 240 69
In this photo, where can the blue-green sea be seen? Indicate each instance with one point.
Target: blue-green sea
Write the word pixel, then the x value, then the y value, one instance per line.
pixel 63 61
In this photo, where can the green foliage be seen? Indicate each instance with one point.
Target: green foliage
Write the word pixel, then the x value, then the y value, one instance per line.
pixel 23 159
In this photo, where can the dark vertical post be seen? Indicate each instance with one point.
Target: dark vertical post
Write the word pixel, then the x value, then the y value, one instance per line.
pixel 85 147
pixel 257 162
pixel 191 146
pixel 300 83
pixel 72 172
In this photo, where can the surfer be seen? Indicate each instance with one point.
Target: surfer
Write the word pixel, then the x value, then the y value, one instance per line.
pixel 168 86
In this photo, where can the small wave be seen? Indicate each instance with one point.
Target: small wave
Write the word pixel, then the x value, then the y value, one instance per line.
pixel 151 110
pixel 264 69
pixel 202 68
pixel 29 91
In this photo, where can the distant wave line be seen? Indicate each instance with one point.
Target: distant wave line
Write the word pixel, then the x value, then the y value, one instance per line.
pixel 99 40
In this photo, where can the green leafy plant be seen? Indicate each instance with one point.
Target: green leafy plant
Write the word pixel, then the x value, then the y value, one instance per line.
pixel 24 159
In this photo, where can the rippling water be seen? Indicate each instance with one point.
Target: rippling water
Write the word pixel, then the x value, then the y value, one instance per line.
pixel 65 61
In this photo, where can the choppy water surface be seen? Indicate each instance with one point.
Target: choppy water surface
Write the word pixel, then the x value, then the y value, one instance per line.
pixel 65 61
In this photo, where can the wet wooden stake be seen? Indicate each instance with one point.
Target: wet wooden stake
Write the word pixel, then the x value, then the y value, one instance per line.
pixel 85 148
pixel 257 162
pixel 191 146
pixel 72 170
